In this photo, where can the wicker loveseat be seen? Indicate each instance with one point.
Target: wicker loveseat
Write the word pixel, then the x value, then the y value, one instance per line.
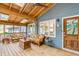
pixel 16 37
pixel 39 40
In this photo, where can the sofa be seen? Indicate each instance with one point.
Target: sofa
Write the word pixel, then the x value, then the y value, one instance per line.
pixel 39 40
pixel 16 36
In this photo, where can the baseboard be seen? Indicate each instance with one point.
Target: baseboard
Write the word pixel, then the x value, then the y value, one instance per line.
pixel 69 50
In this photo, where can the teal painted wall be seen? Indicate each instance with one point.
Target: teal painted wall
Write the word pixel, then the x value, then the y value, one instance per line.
pixel 59 11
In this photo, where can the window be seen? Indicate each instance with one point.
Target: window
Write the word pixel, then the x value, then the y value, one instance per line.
pixel 48 28
pixel 1 29
pixel 4 16
pixel 1 32
pixel 23 29
pixel 8 30
pixel 31 29
pixel 16 29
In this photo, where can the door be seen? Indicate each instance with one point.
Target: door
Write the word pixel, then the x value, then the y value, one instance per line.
pixel 71 33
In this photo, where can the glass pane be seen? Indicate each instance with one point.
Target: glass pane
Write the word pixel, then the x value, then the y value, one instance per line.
pixel 1 32
pixel 41 28
pixel 3 16
pixel 8 29
pixel 23 28
pixel 44 27
pixel 52 28
pixel 31 29
pixel 16 29
pixel 72 27
pixel 1 29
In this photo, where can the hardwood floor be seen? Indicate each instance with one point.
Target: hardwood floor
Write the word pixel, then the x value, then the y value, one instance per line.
pixel 13 49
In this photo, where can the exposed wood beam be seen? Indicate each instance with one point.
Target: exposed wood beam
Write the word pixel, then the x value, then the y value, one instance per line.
pixel 18 19
pixel 49 7
pixel 10 5
pixel 32 10
pixel 41 9
pixel 12 18
pixel 11 23
pixel 7 11
pixel 15 20
pixel 23 8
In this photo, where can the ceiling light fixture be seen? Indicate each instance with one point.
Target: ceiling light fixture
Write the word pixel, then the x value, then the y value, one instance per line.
pixel 24 21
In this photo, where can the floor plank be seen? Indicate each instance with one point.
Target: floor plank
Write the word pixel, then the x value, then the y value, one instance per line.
pixel 17 50
pixel 13 49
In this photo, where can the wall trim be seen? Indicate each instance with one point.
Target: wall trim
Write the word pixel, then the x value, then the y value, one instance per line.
pixel 70 16
pixel 69 50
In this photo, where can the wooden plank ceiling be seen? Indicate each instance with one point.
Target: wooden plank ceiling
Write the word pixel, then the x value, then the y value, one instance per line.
pixel 23 11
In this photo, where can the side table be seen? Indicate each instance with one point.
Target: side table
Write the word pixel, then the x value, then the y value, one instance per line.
pixel 24 44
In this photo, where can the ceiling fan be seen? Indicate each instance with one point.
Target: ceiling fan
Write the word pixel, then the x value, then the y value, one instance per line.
pixel 39 4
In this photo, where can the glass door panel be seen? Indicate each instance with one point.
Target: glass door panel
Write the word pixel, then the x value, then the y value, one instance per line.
pixel 72 27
